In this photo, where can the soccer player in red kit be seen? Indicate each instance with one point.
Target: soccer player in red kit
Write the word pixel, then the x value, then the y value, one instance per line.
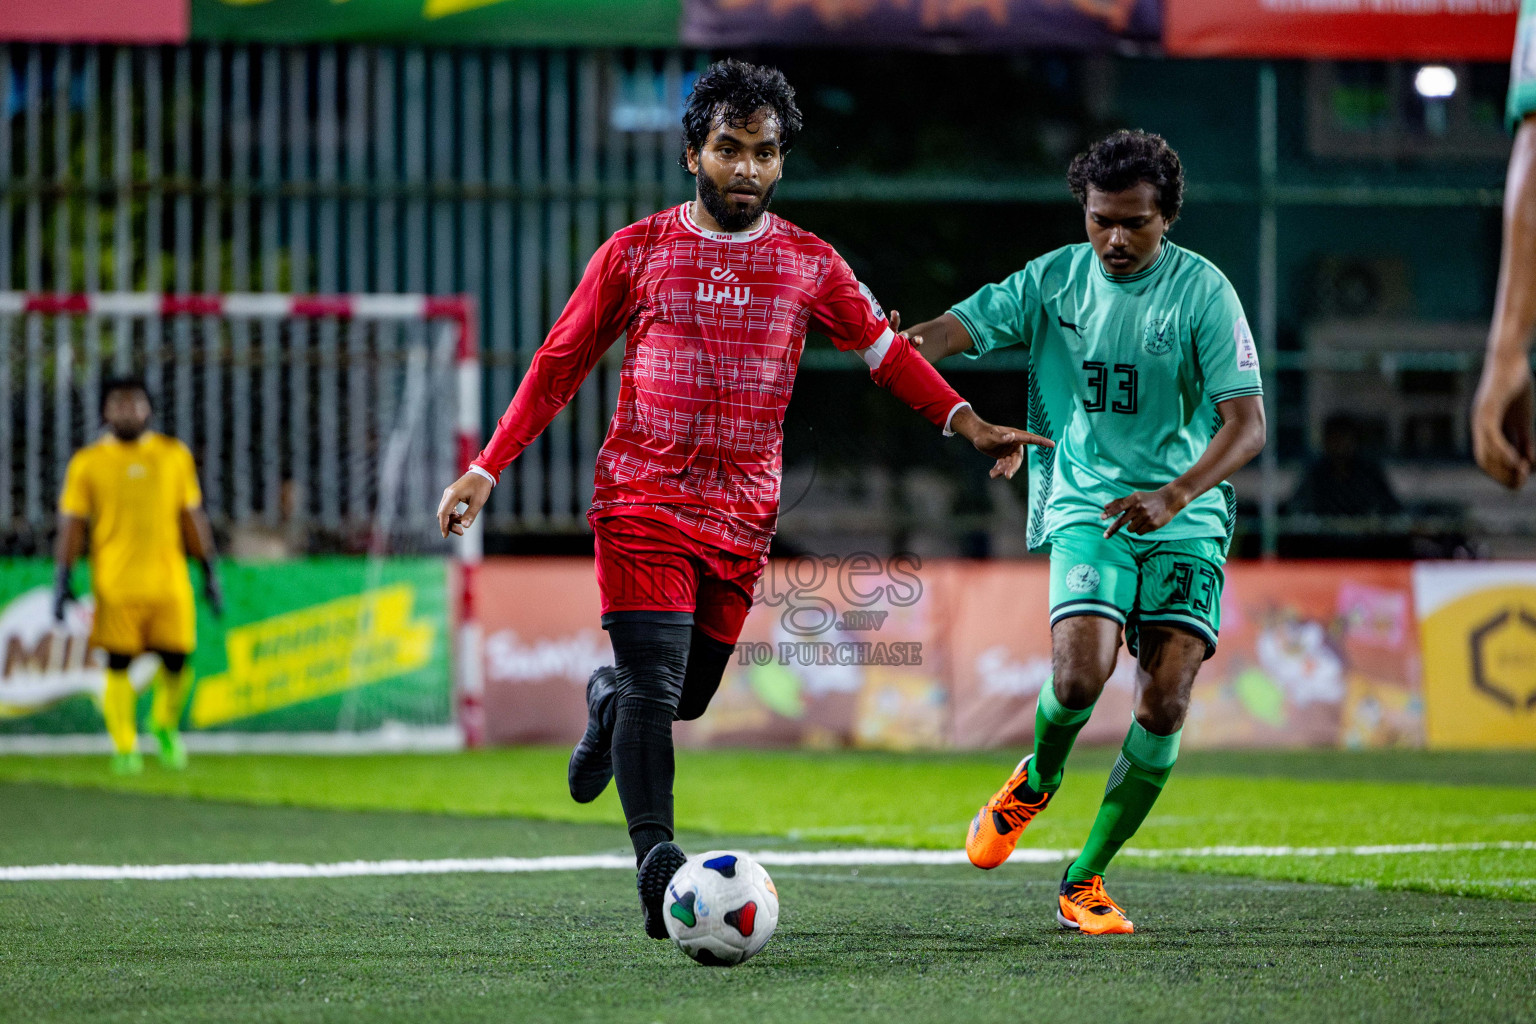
pixel 714 298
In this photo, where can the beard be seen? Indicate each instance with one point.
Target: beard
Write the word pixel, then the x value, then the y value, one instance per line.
pixel 730 216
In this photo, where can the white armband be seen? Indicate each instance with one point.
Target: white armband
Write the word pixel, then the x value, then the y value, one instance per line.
pixel 874 355
pixel 951 418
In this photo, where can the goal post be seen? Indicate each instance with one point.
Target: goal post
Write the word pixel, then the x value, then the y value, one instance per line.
pixel 338 418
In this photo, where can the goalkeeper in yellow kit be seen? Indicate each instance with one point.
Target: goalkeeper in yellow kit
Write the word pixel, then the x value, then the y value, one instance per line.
pixel 136 493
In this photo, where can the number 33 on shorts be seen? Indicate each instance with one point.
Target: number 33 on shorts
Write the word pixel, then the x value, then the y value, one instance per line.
pixel 1137 581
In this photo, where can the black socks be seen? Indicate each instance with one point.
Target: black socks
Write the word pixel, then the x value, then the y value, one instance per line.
pixel 643 769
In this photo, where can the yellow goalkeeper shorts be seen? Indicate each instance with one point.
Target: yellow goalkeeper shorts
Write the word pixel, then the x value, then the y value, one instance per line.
pixel 133 627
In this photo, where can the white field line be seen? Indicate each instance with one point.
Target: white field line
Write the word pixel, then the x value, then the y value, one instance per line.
pixel 391 739
pixel 618 862
pixel 1329 851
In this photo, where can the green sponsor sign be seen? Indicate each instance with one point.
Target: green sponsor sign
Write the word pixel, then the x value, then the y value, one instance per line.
pixel 315 645
pixel 438 22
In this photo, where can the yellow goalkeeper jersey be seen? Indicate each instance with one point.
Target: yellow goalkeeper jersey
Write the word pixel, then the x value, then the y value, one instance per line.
pixel 132 494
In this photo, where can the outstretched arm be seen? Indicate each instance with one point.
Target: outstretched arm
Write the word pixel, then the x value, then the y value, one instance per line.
pixel 936 339
pixel 946 336
pixel 900 371
pixel 1502 438
pixel 1240 438
pixel 855 322
pixel 592 320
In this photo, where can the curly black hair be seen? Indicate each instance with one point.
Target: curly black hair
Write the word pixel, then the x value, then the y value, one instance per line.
pixel 112 384
pixel 731 91
pixel 1126 158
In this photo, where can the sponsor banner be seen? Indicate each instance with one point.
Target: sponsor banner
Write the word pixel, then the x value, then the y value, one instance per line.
pixel 924 24
pixel 50 678
pixel 1478 623
pixel 542 639
pixel 93 21
pixel 1312 654
pixel 1342 29
pixel 839 651
pixel 314 645
pixel 999 671
pixel 898 653
pixel 439 22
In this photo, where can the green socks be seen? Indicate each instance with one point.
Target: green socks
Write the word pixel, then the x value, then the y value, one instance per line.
pixel 1056 729
pixel 1142 769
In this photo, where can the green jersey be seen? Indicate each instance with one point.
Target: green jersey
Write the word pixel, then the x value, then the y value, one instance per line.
pixel 1522 68
pixel 1125 374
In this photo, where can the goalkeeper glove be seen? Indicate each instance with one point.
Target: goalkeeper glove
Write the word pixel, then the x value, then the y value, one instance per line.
pixel 212 591
pixel 63 593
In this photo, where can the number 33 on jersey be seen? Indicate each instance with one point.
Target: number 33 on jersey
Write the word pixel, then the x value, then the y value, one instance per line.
pixel 1125 375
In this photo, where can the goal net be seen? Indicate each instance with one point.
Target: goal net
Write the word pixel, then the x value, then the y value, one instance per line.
pixel 324 429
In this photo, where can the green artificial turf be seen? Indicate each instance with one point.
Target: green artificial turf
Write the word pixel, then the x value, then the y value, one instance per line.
pixel 909 944
pixel 1215 799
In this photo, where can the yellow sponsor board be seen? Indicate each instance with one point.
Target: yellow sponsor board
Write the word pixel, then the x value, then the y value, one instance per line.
pixel 312 652
pixel 1479 636
pixel 901 710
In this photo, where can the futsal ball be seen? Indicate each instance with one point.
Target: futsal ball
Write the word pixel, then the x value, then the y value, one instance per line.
pixel 721 908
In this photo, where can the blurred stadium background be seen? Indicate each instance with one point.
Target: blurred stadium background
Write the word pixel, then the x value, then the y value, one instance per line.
pixel 483 150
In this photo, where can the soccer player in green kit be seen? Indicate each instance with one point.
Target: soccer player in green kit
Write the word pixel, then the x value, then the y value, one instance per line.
pixel 1144 372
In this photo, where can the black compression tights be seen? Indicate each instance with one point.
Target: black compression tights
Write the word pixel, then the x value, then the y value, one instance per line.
pixel 707 658
pixel 663 671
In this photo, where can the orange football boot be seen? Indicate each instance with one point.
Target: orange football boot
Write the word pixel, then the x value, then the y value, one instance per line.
pixel 1086 907
pixel 995 830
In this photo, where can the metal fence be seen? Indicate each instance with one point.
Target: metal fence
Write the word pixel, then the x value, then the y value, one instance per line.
pixel 493 173
pixel 332 169
pixel 314 447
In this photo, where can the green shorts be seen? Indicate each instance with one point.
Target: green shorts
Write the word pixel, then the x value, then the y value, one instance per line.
pixel 1138 582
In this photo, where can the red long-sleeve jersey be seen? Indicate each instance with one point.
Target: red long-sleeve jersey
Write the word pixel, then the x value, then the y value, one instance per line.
pixel 715 324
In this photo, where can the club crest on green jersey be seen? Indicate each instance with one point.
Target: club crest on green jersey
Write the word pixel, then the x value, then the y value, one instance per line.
pixel 1158 337
pixel 1082 579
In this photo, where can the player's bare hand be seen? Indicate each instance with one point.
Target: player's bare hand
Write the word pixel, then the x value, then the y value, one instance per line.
pixel 1142 512
pixel 895 321
pixel 1001 443
pixel 470 490
pixel 1008 465
pixel 1502 429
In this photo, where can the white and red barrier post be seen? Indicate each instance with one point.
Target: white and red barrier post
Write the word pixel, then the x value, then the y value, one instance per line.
pixel 471 663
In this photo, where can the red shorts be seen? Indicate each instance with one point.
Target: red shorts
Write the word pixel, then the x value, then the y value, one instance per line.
pixel 646 564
